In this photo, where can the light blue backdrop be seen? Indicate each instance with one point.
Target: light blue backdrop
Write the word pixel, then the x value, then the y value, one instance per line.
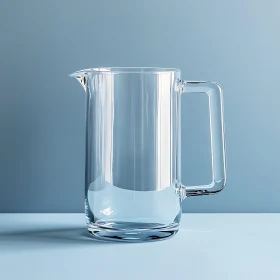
pixel 42 110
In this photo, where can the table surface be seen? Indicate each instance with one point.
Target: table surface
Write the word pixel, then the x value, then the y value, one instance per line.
pixel 208 246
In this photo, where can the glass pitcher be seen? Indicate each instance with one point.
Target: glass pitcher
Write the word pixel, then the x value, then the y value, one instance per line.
pixel 133 188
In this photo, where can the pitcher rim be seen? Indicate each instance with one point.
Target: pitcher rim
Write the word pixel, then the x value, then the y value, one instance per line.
pixel 126 70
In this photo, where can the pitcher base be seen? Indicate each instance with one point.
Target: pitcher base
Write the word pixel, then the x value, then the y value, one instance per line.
pixel 130 232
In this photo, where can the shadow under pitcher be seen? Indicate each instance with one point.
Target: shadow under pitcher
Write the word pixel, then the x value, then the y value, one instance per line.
pixel 133 188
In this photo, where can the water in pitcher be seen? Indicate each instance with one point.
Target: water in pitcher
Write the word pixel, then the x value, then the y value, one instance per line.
pixel 117 208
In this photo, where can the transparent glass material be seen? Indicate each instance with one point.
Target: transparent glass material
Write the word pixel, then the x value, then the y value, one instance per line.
pixel 133 188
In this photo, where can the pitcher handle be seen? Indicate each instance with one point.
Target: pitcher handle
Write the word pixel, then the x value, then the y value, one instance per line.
pixel 215 97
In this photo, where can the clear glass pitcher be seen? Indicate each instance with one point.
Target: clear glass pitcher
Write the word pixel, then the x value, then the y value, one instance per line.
pixel 133 188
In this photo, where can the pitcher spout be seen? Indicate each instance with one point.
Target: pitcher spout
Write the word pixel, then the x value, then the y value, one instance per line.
pixel 81 76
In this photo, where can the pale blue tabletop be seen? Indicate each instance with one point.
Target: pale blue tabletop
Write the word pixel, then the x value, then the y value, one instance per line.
pixel 208 246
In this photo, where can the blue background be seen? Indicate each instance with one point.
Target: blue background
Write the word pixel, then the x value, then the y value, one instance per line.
pixel 42 110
